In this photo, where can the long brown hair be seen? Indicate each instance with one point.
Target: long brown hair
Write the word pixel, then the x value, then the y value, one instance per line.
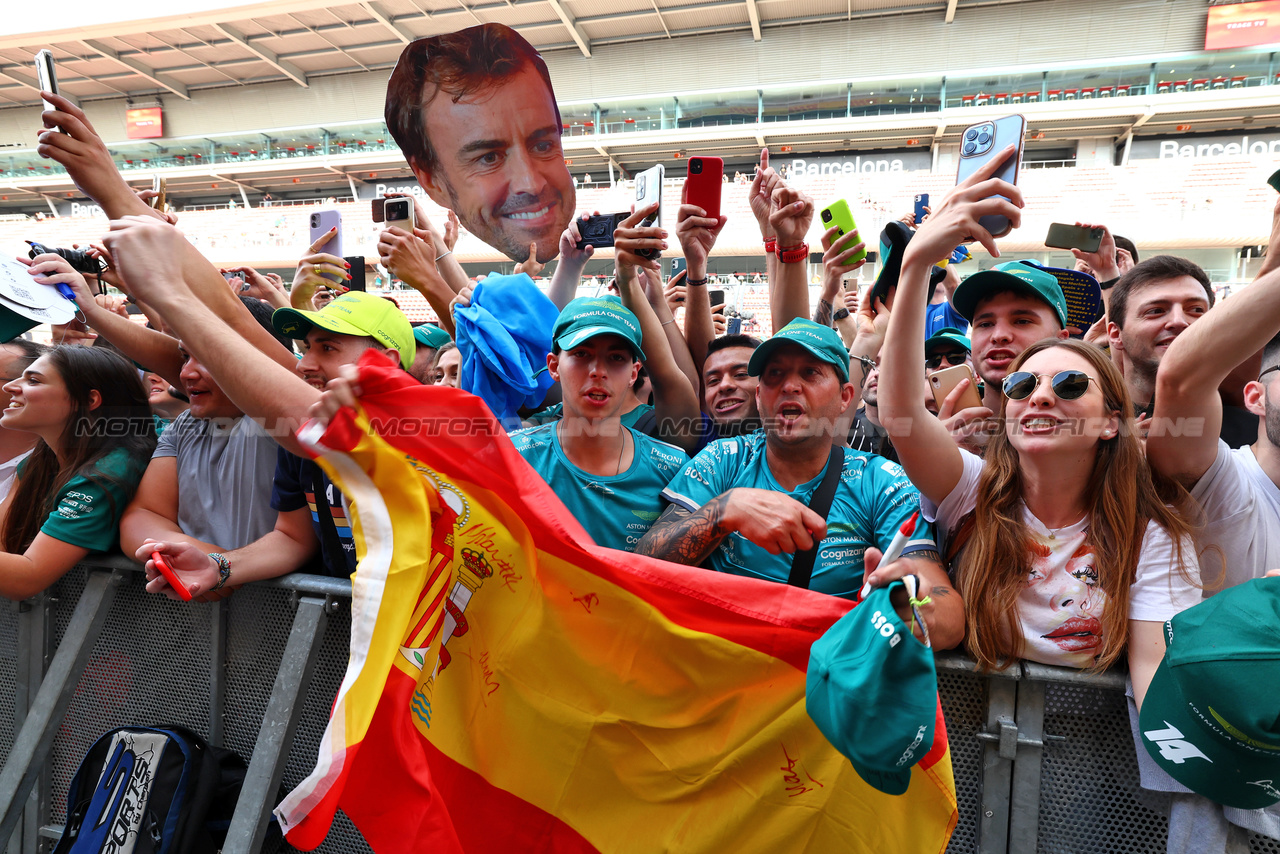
pixel 121 420
pixel 1123 494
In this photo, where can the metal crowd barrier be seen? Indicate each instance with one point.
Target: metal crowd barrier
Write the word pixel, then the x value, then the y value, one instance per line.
pixel 1043 757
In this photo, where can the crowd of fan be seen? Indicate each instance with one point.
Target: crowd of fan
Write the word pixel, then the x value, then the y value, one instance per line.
pixel 1106 481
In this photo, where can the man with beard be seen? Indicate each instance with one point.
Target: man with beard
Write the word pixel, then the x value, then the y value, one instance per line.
pixel 1238 490
pixel 729 390
pixel 476 117
pixel 1151 305
pixel 742 505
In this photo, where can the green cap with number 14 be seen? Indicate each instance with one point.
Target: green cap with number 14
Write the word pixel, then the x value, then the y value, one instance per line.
pixel 1211 717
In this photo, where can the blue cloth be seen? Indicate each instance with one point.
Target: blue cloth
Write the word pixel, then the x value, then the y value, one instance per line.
pixel 504 337
pixel 940 317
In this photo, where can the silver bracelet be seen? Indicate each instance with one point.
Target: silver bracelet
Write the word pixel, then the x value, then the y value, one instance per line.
pixel 665 322
pixel 450 252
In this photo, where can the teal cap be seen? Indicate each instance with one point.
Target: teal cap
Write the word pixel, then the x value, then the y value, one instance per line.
pixel 948 335
pixel 1211 716
pixel 430 336
pixel 822 341
pixel 587 317
pixel 872 690
pixel 1012 276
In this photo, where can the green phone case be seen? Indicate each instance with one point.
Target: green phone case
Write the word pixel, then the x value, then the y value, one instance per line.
pixel 1274 180
pixel 837 214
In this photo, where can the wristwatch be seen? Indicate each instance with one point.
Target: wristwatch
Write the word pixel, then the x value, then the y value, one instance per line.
pixel 224 569
pixel 840 313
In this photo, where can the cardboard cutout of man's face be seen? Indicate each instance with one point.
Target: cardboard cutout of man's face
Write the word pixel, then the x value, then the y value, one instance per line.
pixel 497 160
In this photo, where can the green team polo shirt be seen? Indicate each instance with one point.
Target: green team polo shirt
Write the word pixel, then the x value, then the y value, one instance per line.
pixel 89 507
pixel 616 511
pixel 872 501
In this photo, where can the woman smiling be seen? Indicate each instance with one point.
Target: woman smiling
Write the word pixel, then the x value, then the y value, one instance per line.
pixel 90 410
pixel 1068 550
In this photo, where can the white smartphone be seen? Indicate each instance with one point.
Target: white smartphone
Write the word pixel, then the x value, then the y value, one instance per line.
pixel 321 222
pixel 649 191
pixel 47 76
pixel 398 211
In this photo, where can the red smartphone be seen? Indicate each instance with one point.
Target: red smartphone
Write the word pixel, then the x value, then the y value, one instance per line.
pixel 170 576
pixel 706 178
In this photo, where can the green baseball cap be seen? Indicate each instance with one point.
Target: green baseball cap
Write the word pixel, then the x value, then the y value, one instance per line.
pixel 1011 276
pixel 430 336
pixel 353 313
pixel 587 317
pixel 872 690
pixel 1211 716
pixel 822 341
pixel 948 335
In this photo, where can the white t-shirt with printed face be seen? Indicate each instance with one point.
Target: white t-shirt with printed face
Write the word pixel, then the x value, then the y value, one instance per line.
pixel 1241 506
pixel 1061 606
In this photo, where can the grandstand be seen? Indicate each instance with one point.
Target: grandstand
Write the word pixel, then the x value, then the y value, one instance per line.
pixel 272 110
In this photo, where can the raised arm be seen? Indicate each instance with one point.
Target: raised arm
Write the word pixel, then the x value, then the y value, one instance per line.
pixel 837 262
pixel 925 447
pixel 1183 441
pixel 568 272
pixel 153 256
pixel 760 198
pixel 790 214
pixel 697 234
pixel 656 296
pixel 675 401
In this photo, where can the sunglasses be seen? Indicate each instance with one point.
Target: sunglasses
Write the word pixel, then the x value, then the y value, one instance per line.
pixel 1067 385
pixel 956 357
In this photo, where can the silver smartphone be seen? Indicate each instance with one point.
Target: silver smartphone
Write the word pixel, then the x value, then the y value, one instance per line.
pixel 982 143
pixel 47 76
pixel 649 191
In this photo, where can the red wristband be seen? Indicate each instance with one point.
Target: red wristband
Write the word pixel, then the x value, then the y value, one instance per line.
pixel 792 254
pixel 771 245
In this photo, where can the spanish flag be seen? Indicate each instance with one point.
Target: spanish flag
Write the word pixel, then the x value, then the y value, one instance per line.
pixel 514 688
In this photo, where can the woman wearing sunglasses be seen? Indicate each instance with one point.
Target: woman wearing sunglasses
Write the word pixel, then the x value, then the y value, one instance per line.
pixel 1067 550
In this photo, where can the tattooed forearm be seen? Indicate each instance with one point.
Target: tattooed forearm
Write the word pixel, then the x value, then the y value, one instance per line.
pixel 822 314
pixel 683 537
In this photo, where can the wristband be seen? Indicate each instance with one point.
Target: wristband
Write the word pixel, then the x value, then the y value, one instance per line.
pixel 771 245
pixel 792 254
pixel 841 313
pixel 224 569
pixel 696 283
pixel 445 255
pixel 1108 284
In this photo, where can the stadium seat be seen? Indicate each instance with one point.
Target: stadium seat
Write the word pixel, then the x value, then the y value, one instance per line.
pixel 1162 88
pixel 1122 91
pixel 1070 94
pixel 1237 82
pixel 966 100
pixel 1086 93
pixel 1219 82
pixel 1031 97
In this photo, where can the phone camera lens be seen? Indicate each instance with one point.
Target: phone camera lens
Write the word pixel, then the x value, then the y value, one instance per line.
pixel 984 137
pixel 972 134
pixel 315 220
pixel 826 216
pixel 695 167
pixel 970 148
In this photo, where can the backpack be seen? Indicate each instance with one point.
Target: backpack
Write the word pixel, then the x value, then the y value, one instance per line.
pixel 143 790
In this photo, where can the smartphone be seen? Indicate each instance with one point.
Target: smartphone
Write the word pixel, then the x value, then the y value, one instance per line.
pixel 321 222
pixel 159 186
pixel 1063 236
pixel 649 191
pixel 716 297
pixel 985 141
pixel 706 177
pixel 1274 180
pixel 922 202
pixel 837 214
pixel 678 265
pixel 398 212
pixel 170 576
pixel 733 326
pixel 598 230
pixel 357 282
pixel 47 76
pixel 376 209
pixel 944 382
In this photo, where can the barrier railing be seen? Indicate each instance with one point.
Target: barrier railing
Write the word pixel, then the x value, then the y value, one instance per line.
pixel 1043 757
